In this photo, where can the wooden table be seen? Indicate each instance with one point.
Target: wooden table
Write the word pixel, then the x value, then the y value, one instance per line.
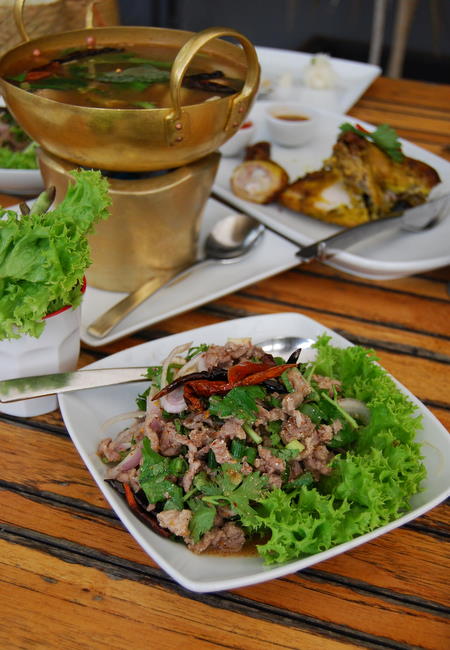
pixel 72 577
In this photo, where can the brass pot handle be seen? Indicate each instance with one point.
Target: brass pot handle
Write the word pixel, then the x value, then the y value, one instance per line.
pixel 18 19
pixel 175 120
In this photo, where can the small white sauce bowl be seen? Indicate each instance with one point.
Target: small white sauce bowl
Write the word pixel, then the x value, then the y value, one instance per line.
pixel 291 124
pixel 239 140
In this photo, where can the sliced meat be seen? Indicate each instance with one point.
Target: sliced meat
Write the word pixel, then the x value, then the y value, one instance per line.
pixel 177 521
pixel 231 429
pixel 224 356
pixel 270 465
pixel 195 466
pixel 201 437
pixel 228 539
pixel 301 390
pixel 273 415
pixel 328 383
pixel 153 425
pixel 319 461
pixel 221 452
pixel 169 441
pixel 298 427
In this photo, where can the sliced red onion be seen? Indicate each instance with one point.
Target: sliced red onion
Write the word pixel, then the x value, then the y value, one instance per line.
pixel 196 364
pixel 119 418
pixel 153 410
pixel 130 461
pixel 174 402
pixel 355 408
pixel 179 350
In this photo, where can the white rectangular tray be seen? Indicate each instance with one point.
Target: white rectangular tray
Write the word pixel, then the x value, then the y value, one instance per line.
pixel 271 256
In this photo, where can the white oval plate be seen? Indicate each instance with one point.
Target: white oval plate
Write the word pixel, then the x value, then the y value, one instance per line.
pixel 392 254
pixel 21 182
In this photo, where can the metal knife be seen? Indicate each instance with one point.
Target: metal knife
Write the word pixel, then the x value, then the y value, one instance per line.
pixel 412 220
pixel 12 390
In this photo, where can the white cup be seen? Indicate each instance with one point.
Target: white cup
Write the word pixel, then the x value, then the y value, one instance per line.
pixel 291 124
pixel 56 350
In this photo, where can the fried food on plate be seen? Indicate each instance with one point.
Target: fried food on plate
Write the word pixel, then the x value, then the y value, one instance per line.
pixel 259 181
pixel 367 177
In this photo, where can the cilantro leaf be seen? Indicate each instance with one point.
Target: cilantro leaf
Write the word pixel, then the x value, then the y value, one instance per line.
pixel 239 402
pixel 153 478
pixel 237 491
pixel 154 374
pixel 141 400
pixel 196 349
pixel 384 136
pixel 202 518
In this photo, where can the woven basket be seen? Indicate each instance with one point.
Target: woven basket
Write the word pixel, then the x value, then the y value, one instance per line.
pixel 106 12
pixel 52 16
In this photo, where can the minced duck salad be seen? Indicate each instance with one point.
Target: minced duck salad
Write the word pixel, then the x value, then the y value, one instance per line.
pixel 233 448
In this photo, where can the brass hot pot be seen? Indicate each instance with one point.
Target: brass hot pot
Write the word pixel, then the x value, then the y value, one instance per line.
pixel 135 139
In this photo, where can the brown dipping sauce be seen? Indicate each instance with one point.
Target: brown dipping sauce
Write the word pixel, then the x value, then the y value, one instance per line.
pixel 292 118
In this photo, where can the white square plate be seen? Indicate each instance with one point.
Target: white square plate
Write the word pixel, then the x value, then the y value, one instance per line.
pixel 84 412
pixel 21 182
pixel 352 78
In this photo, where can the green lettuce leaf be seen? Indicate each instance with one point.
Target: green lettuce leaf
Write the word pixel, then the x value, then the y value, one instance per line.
pixel 370 485
pixel 25 159
pixel 43 257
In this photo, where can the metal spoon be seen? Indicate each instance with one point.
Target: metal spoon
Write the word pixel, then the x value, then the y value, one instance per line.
pixel 12 390
pixel 284 346
pixel 231 238
pixel 414 220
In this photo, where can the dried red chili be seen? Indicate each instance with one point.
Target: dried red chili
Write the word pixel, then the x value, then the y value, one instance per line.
pixel 36 75
pixel 193 401
pixel 269 373
pixel 43 72
pixel 241 370
pixel 205 388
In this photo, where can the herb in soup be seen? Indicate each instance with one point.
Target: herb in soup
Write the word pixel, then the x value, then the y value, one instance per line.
pixel 110 77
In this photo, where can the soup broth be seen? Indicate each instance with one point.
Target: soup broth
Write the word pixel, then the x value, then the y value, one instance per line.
pixel 122 77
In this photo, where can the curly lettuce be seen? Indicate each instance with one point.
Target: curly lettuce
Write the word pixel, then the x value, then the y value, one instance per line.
pixel 372 479
pixel 18 151
pixel 43 256
pixel 25 159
